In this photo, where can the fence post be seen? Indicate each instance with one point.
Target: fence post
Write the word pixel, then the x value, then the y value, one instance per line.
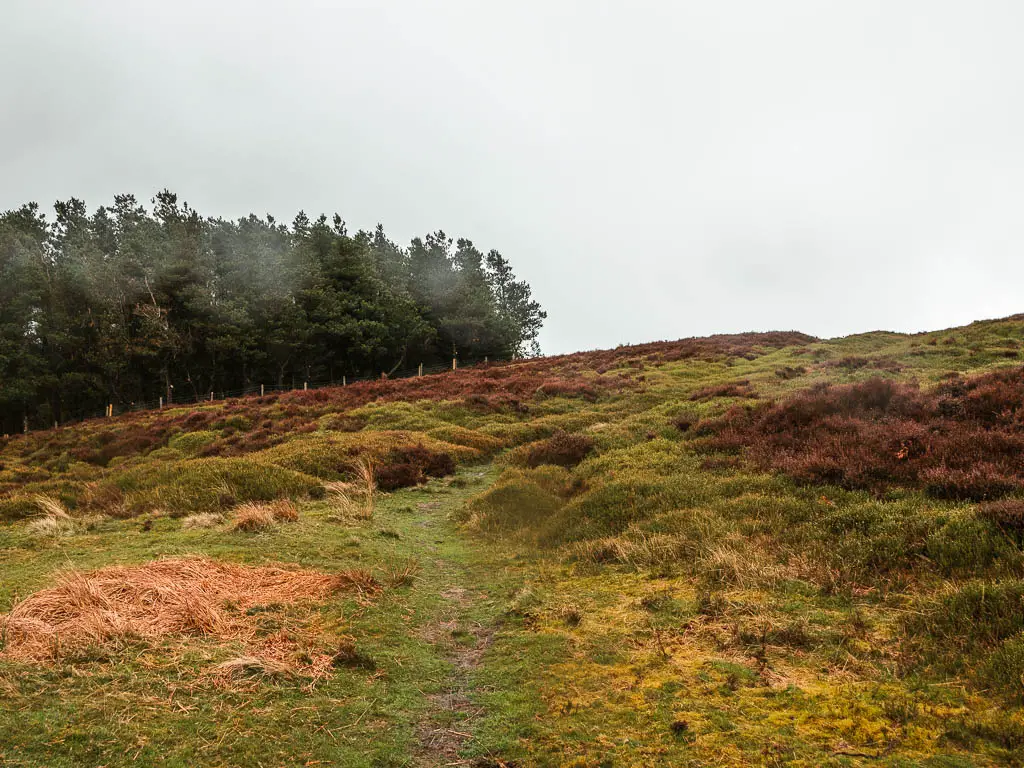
pixel 211 397
pixel 24 423
pixel 161 402
pixel 455 363
pixel 305 386
pixel 420 371
pixel 343 381
pixel 261 390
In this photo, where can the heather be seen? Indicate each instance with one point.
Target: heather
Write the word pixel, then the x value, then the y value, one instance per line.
pixel 749 549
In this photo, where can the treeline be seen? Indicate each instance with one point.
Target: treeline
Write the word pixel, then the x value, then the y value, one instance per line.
pixel 126 305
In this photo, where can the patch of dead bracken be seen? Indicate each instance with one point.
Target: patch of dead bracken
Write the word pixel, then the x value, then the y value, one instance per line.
pixel 191 596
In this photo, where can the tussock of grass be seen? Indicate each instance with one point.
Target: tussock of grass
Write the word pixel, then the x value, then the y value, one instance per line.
pixel 252 517
pixel 355 499
pixel 202 520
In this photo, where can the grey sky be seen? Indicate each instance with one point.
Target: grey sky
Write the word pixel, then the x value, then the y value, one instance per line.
pixel 654 169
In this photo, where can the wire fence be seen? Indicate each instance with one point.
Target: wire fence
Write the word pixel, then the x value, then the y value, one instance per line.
pixel 259 390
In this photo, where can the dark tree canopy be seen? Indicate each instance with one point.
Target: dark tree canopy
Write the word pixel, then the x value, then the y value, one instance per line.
pixel 126 305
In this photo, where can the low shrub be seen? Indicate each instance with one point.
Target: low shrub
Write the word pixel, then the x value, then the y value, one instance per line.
pixel 191 443
pixel 410 466
pixel 729 389
pixel 1007 515
pixel 981 482
pixel 961 441
pixel 17 508
pixel 561 449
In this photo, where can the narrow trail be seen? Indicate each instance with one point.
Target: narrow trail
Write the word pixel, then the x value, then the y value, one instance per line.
pixel 463 642
pixel 460 628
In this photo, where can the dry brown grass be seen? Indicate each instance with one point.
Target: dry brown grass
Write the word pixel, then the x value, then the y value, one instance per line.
pixel 176 596
pixel 255 516
pixel 202 520
pixel 50 507
pixel 355 499
pixel 54 520
pixel 254 666
pixel 252 518
pixel 47 526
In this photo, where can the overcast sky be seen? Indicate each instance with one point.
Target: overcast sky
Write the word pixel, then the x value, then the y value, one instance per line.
pixel 653 169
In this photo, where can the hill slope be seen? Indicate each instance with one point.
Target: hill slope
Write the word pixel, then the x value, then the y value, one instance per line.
pixel 750 549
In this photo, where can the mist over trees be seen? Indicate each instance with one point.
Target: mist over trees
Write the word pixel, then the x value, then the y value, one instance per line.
pixel 125 305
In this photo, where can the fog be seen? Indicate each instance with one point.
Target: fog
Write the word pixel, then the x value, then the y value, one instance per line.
pixel 653 169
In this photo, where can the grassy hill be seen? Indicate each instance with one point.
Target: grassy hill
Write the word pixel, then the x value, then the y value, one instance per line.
pixel 758 549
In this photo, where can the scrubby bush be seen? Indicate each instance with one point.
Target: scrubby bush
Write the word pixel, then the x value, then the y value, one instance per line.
pixel 962 441
pixel 980 482
pixel 561 449
pixel 729 389
pixel 17 508
pixel 406 467
pixel 1007 515
pixel 191 443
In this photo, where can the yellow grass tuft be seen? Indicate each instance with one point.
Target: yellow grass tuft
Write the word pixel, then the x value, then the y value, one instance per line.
pixel 50 507
pixel 355 499
pixel 254 666
pixel 254 516
pixel 202 520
